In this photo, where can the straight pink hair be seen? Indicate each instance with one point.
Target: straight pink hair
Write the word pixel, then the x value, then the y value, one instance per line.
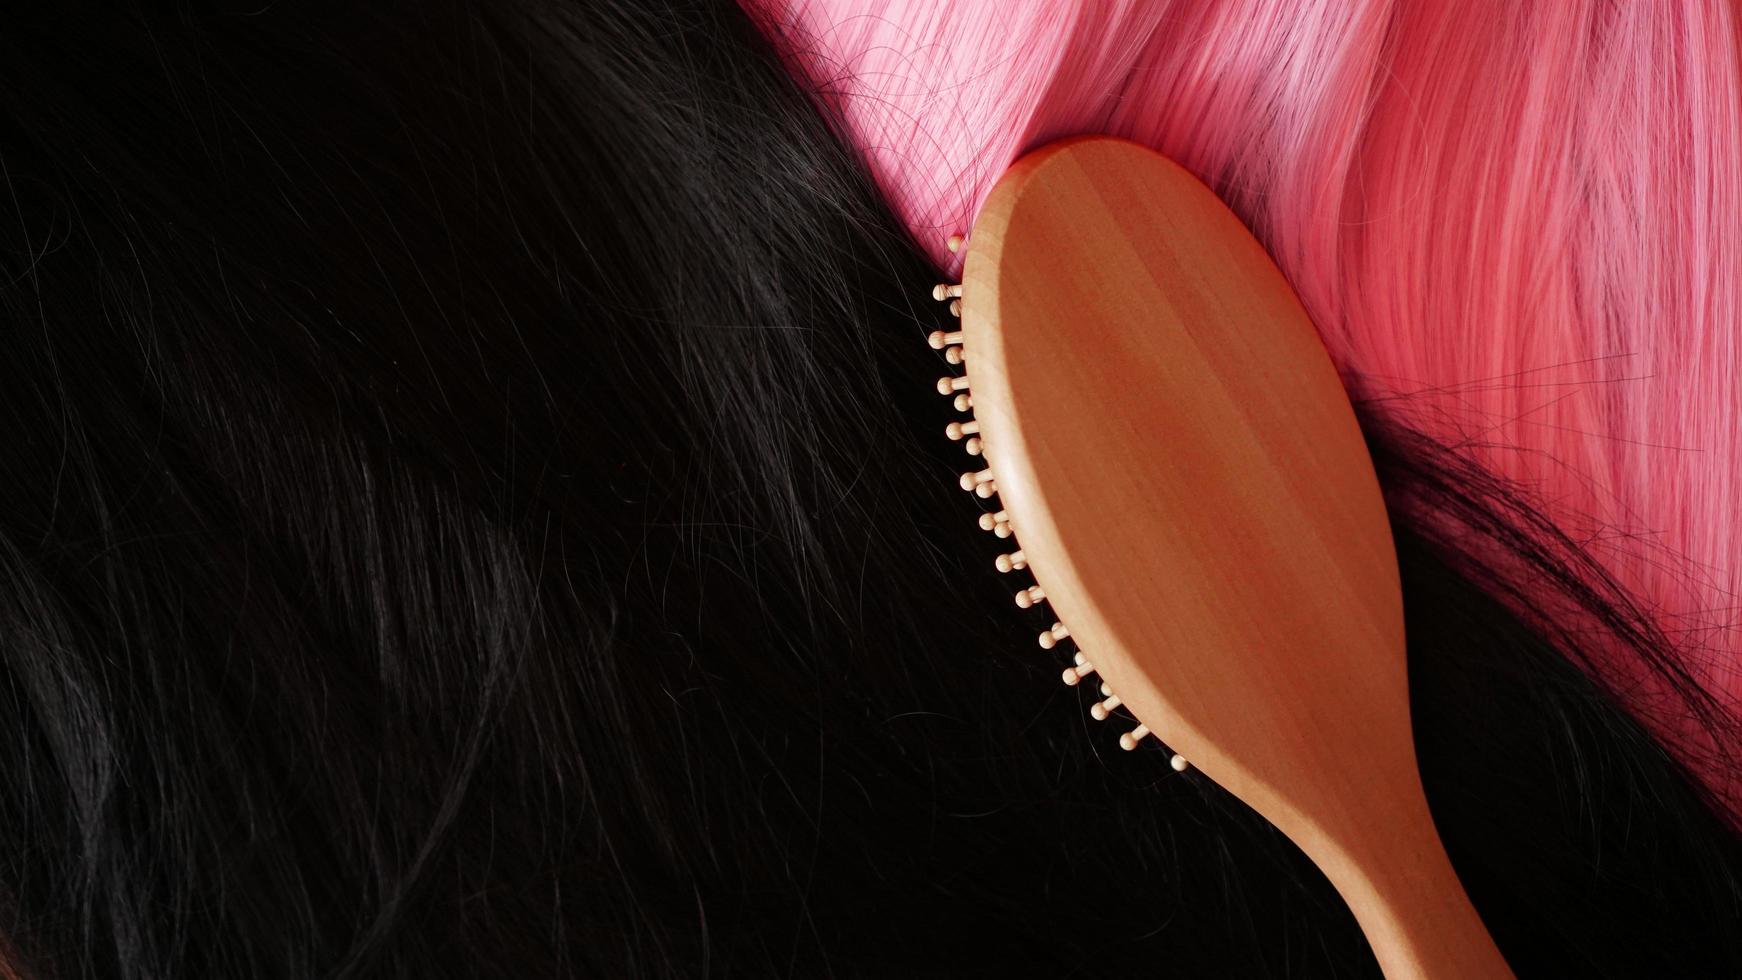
pixel 1517 225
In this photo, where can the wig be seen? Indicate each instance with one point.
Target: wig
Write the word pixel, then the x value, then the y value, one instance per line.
pixel 472 504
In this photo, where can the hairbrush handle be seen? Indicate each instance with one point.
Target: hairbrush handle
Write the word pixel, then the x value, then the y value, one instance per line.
pixel 1408 900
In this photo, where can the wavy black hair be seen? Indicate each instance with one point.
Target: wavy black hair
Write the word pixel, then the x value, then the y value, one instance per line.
pixel 473 505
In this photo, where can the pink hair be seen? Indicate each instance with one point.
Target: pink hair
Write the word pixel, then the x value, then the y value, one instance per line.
pixel 1518 225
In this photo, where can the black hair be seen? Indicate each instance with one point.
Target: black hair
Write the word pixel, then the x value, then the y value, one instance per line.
pixel 474 505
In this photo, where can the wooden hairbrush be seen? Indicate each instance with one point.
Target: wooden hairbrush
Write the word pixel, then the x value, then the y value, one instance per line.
pixel 1181 471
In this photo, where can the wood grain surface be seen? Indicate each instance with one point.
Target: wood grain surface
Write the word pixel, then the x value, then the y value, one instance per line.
pixel 1184 474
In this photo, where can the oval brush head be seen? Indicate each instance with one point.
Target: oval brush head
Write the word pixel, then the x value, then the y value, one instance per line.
pixel 1182 473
